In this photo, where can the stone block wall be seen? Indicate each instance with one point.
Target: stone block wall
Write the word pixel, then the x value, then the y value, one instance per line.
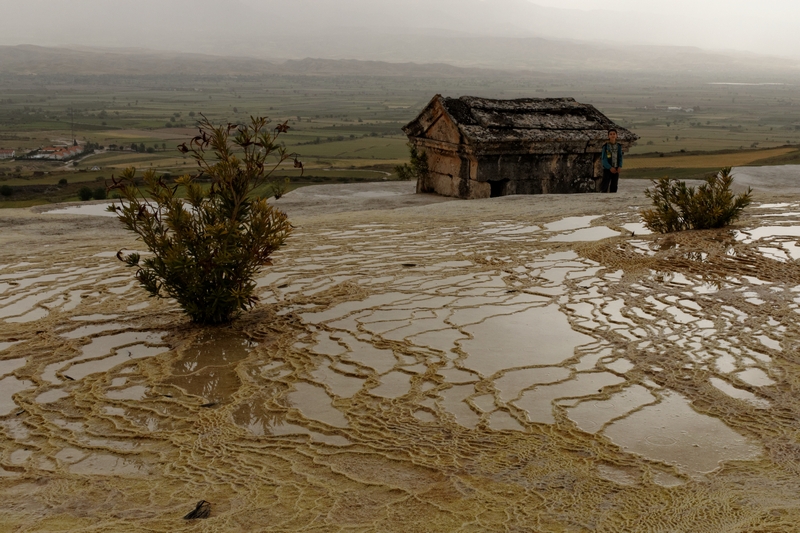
pixel 466 176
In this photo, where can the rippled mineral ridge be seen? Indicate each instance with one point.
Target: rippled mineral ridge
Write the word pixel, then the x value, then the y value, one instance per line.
pixel 416 371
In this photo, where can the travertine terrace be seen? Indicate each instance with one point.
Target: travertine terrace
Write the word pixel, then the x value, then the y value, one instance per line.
pixel 527 363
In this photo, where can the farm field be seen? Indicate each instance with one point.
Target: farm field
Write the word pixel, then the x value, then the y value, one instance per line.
pixel 727 158
pixel 348 127
pixel 699 164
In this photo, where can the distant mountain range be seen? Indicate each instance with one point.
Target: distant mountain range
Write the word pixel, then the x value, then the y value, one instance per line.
pixel 489 57
pixel 27 60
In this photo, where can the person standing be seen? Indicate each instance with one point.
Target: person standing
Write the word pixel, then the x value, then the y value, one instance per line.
pixel 612 163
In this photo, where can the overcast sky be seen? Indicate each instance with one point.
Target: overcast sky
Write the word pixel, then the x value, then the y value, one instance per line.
pixel 765 17
pixel 738 8
pixel 764 26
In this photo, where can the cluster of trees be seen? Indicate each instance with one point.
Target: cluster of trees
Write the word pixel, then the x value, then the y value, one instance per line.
pixel 86 193
pixel 173 120
pixel 338 138
pixel 141 148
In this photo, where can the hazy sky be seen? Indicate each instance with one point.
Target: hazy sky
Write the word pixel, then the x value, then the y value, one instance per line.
pixel 737 8
pixel 760 15
pixel 764 26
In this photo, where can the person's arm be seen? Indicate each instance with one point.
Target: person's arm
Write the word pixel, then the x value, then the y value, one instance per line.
pixel 619 158
pixel 606 162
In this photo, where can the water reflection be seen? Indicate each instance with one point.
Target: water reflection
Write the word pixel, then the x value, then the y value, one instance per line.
pixel 207 368
pixel 672 432
pixel 263 411
pixel 508 369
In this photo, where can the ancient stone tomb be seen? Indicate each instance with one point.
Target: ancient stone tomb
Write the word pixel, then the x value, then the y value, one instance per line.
pixel 482 148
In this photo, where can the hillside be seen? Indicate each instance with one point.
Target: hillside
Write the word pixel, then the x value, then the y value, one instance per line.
pixel 422 55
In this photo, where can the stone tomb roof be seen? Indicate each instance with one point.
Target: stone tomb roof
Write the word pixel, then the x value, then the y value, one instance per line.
pixel 523 123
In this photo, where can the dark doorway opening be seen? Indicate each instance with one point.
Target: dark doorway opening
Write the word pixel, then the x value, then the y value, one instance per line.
pixel 498 188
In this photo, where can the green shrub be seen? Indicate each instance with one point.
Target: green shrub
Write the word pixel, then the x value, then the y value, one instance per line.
pixel 99 193
pixel 416 168
pixel 677 207
pixel 6 190
pixel 85 193
pixel 62 182
pixel 208 249
pixel 279 187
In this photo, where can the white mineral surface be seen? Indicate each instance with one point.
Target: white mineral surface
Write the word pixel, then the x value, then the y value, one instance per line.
pixel 415 363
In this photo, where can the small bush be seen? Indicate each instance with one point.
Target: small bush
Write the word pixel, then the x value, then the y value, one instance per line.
pixel 677 207
pixel 279 188
pixel 85 193
pixel 208 249
pixel 416 168
pixel 99 193
pixel 62 182
pixel 6 190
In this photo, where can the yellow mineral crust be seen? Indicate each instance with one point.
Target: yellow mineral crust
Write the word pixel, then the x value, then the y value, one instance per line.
pixel 515 364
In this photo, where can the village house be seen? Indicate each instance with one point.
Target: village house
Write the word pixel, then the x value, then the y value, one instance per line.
pixel 482 148
pixel 58 153
pixel 7 154
pixel 67 152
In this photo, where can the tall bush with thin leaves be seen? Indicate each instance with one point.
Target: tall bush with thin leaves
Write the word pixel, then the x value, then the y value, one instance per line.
pixel 678 207
pixel 207 249
pixel 416 168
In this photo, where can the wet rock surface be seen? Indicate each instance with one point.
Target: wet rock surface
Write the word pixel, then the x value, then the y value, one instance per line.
pixel 542 364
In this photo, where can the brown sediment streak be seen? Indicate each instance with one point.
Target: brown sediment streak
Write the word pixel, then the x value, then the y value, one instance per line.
pixel 504 374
